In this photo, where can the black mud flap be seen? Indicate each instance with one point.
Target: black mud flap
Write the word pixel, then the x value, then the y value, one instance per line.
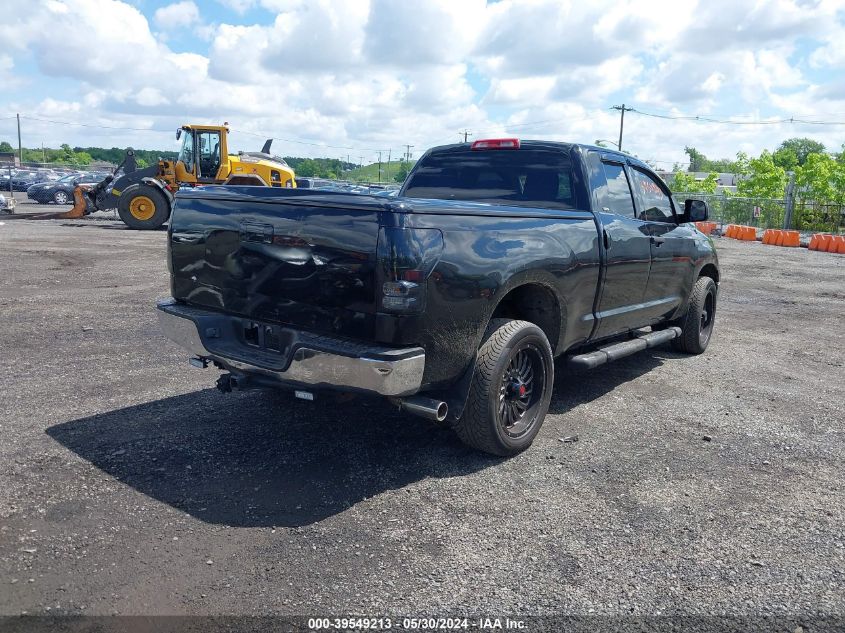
pixel 455 396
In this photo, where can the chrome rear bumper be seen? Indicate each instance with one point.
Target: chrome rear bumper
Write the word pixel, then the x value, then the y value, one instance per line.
pixel 309 360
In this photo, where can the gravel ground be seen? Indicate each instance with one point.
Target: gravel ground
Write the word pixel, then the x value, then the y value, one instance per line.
pixel 697 485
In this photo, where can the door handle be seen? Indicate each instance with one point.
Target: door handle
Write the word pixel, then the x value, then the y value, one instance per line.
pixel 657 241
pixel 606 240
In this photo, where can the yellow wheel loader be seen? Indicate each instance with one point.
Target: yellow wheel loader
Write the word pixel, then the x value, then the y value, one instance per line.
pixel 144 197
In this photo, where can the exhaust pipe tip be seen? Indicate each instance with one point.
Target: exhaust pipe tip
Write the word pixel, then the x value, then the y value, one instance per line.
pixel 428 408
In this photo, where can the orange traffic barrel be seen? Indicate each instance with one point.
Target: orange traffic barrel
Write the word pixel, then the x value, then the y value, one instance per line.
pixel 834 243
pixel 781 236
pixel 750 233
pixel 814 241
pixel 767 236
pixel 729 230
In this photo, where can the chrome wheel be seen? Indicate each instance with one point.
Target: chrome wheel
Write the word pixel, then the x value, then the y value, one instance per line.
pixel 60 197
pixel 521 391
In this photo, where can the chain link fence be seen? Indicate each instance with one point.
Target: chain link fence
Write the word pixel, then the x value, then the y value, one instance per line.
pixel 763 213
pixel 818 217
pixel 769 213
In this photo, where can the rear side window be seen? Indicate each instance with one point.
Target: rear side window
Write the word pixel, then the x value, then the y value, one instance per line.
pixel 618 198
pixel 656 204
pixel 522 177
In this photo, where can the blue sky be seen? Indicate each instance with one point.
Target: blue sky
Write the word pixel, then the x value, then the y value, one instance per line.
pixel 332 78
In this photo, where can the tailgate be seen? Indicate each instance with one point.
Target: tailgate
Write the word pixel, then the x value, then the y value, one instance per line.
pixel 307 259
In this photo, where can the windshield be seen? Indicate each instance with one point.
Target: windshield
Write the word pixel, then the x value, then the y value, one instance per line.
pixel 67 178
pixel 186 153
pixel 522 177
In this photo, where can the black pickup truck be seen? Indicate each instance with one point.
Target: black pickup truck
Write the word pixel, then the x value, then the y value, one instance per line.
pixel 451 299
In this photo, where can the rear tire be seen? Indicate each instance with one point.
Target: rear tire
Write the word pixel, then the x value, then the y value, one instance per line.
pixel 697 324
pixel 511 389
pixel 144 208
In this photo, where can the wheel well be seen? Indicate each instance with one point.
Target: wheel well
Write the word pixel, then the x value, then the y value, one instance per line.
pixel 711 271
pixel 534 303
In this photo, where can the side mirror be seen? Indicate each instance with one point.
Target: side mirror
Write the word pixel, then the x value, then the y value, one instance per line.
pixel 695 210
pixel 178 133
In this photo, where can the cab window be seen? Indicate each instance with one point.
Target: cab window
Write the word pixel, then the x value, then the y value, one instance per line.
pixel 655 202
pixel 186 153
pixel 618 197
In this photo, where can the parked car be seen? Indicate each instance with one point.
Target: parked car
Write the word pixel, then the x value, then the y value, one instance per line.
pixel 23 179
pixel 452 299
pixel 61 191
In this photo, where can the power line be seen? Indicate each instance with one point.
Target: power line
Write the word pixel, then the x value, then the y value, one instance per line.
pixel 705 119
pixel 104 127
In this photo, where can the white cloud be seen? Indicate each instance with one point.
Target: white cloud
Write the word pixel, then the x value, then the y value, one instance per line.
pixel 177 15
pixel 381 73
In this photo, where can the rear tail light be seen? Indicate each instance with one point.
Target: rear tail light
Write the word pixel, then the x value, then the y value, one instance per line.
pixel 496 143
pixel 406 259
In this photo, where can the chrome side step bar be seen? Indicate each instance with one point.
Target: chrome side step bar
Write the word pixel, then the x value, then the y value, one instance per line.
pixel 603 355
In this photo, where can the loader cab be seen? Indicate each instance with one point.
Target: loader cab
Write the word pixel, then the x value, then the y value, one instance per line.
pixel 203 157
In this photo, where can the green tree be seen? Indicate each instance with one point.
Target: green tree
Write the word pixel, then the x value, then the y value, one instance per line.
pixel 802 147
pixel 761 178
pixel 5 146
pixel 308 167
pixel 401 174
pixel 696 159
pixel 814 179
pixel 684 182
pixel 786 157
pixel 699 162
pixel 819 192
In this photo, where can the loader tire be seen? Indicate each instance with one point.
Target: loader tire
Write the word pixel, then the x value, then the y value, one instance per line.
pixel 144 208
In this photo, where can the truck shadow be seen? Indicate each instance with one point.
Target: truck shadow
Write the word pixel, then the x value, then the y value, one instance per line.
pixel 263 458
pixel 259 459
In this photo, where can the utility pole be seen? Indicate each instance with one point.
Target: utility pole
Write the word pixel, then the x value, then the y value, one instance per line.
pixel 466 134
pixel 20 147
pixel 408 152
pixel 360 161
pixel 379 166
pixel 388 165
pixel 622 109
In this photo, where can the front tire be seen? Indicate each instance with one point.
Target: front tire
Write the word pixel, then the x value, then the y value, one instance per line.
pixel 61 197
pixel 144 208
pixel 697 324
pixel 511 389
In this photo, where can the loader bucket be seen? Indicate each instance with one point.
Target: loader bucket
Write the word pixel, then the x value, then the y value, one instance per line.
pixel 80 205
